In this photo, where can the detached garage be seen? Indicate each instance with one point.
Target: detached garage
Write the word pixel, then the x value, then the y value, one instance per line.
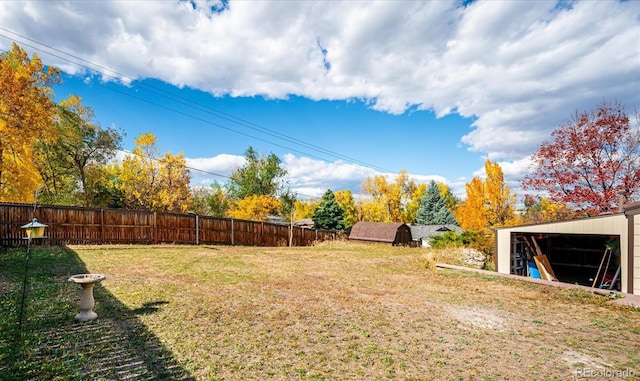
pixel 602 251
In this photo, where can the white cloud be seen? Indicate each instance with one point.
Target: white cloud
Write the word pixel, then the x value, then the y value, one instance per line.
pixel 222 164
pixel 309 178
pixel 207 170
pixel 316 176
pixel 518 68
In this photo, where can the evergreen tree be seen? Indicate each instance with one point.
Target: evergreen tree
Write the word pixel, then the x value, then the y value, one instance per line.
pixel 433 208
pixel 329 215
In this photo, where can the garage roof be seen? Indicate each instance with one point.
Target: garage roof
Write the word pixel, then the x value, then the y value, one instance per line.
pixel 604 224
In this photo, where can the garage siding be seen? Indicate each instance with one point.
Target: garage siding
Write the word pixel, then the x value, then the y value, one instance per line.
pixel 636 254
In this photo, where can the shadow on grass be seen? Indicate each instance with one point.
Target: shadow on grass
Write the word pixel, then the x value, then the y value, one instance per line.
pixel 52 345
pixel 149 307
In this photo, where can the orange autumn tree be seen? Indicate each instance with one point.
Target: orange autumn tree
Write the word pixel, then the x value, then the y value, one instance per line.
pixel 27 109
pixel 471 213
pixel 489 205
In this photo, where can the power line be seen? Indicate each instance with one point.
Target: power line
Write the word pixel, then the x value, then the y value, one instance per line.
pixel 195 105
pixel 193 169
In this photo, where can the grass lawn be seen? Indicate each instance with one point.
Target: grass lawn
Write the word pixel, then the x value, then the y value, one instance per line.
pixel 335 311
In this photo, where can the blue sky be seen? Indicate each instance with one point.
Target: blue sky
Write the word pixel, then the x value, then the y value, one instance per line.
pixel 203 126
pixel 339 90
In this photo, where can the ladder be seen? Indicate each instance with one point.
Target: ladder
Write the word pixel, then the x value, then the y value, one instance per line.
pixel 608 253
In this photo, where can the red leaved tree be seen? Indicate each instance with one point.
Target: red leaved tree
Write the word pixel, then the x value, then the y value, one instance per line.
pixel 591 159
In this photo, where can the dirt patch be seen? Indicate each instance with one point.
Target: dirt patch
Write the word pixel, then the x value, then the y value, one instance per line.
pixel 581 360
pixel 478 317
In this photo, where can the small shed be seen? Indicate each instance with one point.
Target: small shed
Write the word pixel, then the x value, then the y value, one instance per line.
pixel 577 249
pixel 422 233
pixel 386 232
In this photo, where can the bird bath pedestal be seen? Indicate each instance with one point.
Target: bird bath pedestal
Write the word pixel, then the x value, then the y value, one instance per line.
pixel 87 281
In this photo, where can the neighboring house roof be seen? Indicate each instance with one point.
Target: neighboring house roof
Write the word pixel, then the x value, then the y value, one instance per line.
pixel 376 231
pixel 276 220
pixel 425 231
pixel 304 223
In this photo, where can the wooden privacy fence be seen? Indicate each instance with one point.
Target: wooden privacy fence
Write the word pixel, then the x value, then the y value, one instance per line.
pixel 74 225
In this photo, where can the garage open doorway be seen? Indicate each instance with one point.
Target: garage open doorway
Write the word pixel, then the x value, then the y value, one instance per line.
pixel 584 259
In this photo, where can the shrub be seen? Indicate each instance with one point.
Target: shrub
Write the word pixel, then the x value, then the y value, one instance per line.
pixel 471 239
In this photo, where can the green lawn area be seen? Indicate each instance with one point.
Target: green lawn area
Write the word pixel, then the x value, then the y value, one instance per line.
pixel 335 311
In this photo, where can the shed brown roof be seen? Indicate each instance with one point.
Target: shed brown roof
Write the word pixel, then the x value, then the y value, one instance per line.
pixel 375 231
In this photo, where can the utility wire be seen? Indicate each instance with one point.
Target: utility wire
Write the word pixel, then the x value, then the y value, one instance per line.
pixel 62 133
pixel 194 105
pixel 195 169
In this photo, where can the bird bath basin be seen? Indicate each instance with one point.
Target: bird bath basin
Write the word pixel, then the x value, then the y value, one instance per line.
pixel 87 281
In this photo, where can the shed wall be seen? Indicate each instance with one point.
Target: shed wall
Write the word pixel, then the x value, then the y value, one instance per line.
pixel 503 251
pixel 636 254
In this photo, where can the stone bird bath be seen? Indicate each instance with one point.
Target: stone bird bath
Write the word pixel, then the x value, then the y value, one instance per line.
pixel 87 281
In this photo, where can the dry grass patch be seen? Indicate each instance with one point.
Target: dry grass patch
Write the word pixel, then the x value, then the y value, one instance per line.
pixel 351 311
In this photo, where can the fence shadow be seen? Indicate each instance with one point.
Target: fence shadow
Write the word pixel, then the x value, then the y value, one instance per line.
pixel 53 345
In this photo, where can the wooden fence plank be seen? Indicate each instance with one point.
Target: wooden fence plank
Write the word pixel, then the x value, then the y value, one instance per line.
pixel 76 225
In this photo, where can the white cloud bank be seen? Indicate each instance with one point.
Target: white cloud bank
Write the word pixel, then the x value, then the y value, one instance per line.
pixel 309 178
pixel 517 67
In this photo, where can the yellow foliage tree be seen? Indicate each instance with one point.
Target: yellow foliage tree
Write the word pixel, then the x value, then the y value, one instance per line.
pixel 489 204
pixel 149 182
pixel 471 213
pixel 254 207
pixel 347 203
pixel 411 210
pixel 371 211
pixel 392 198
pixel 450 200
pixel 501 203
pixel 26 114
pixel 382 202
pixel 174 192
pixel 305 209
pixel 541 209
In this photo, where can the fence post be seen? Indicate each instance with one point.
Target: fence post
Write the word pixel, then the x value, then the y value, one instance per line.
pixel 197 227
pixel 155 228
pixel 102 226
pixel 232 232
